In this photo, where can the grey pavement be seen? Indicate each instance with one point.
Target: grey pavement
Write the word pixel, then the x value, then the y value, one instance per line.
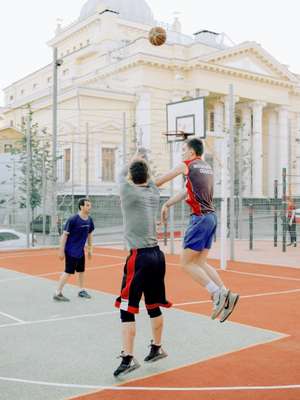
pixel 57 345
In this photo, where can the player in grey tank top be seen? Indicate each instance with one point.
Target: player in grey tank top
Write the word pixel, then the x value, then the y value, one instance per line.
pixel 144 270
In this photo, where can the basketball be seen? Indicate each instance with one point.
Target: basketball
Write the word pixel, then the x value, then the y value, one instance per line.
pixel 157 36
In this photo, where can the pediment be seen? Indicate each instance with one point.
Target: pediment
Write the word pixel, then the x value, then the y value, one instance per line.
pixel 249 64
pixel 251 57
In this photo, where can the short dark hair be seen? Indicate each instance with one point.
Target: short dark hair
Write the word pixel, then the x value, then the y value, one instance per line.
pixel 197 145
pixel 81 202
pixel 139 172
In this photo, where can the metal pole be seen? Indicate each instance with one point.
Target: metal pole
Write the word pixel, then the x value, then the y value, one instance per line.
pixel 14 191
pixel 172 248
pixel 275 212
pixel 28 180
pixel 182 213
pixel 72 171
pixel 224 203
pixel 87 162
pixel 124 141
pixel 250 226
pixel 284 210
pixel 44 195
pixel 124 149
pixel 232 168
pixel 54 232
pixel 240 197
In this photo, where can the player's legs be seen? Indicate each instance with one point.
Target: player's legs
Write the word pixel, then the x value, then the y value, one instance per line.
pixel 192 262
pixel 81 280
pixel 157 325
pixel 70 266
pixel 80 268
pixel 128 362
pixel 63 280
pixel 128 332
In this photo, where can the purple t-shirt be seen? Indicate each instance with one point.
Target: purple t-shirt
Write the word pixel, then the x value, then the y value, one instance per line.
pixel 78 230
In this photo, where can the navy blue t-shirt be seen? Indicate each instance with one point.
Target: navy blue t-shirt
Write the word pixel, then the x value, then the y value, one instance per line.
pixel 78 230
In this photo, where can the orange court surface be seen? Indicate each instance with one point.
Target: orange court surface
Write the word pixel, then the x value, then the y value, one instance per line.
pixel 268 368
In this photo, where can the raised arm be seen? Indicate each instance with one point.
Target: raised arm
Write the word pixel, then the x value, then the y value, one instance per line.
pixel 180 169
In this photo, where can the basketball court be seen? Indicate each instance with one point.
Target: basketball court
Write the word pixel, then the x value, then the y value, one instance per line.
pixel 58 351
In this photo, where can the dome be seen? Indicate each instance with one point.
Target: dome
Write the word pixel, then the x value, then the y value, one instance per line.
pixel 132 10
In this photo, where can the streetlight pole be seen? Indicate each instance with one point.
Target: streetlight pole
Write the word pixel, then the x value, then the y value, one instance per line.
pixel 56 63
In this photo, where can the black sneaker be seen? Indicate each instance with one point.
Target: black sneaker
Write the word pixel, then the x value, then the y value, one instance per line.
pixel 155 354
pixel 60 297
pixel 84 294
pixel 128 364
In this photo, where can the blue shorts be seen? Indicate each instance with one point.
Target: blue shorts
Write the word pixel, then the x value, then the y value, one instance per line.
pixel 200 232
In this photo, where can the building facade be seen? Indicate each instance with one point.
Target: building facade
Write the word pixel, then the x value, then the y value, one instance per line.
pixel 114 87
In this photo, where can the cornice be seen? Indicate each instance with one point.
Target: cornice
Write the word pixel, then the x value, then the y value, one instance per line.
pixel 140 59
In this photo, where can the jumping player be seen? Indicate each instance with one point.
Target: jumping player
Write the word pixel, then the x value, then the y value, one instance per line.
pixel 144 270
pixel 202 227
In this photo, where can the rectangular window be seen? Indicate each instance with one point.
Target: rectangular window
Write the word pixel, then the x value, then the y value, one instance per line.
pixel 211 121
pixel 108 164
pixel 67 164
pixel 8 148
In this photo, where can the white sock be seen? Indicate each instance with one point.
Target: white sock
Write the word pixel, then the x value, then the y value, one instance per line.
pixel 212 288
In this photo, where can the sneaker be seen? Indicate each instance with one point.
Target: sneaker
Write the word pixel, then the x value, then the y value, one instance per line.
pixel 128 364
pixel 219 301
pixel 60 297
pixel 84 294
pixel 155 354
pixel 230 306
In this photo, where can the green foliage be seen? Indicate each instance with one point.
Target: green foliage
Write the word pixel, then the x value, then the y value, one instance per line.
pixel 40 163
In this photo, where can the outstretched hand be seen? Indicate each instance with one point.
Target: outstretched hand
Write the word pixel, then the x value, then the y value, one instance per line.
pixel 140 154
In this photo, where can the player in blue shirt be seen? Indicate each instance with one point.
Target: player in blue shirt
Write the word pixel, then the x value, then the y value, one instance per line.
pixel 78 229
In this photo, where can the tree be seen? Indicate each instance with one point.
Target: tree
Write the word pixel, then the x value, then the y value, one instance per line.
pixel 40 164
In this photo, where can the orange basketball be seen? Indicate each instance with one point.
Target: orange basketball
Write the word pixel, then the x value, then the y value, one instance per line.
pixel 157 36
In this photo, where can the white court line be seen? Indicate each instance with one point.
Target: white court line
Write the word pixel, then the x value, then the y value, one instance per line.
pixel 229 270
pixel 141 308
pixel 154 388
pixel 18 255
pixel 42 321
pixel 249 296
pixel 53 273
pixel 11 317
pixel 168 263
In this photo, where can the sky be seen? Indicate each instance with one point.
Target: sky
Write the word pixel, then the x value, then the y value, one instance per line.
pixel 27 25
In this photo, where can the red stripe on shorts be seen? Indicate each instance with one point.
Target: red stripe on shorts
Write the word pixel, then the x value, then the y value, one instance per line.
pixel 130 274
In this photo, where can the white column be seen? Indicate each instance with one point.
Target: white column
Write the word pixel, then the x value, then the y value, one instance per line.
pixel 143 119
pixel 218 145
pixel 257 153
pixel 226 129
pixel 246 150
pixel 283 140
pixel 272 152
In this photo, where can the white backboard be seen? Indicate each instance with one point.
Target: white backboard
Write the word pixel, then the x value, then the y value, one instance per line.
pixel 186 116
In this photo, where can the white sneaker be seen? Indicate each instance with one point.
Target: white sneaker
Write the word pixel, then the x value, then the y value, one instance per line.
pixel 229 306
pixel 219 300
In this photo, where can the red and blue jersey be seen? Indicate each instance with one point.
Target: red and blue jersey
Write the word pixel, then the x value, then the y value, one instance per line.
pixel 199 185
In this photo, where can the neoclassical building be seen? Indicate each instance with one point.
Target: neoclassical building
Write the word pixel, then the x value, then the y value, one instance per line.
pixel 114 87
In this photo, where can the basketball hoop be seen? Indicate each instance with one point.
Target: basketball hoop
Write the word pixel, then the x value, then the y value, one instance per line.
pixel 175 137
